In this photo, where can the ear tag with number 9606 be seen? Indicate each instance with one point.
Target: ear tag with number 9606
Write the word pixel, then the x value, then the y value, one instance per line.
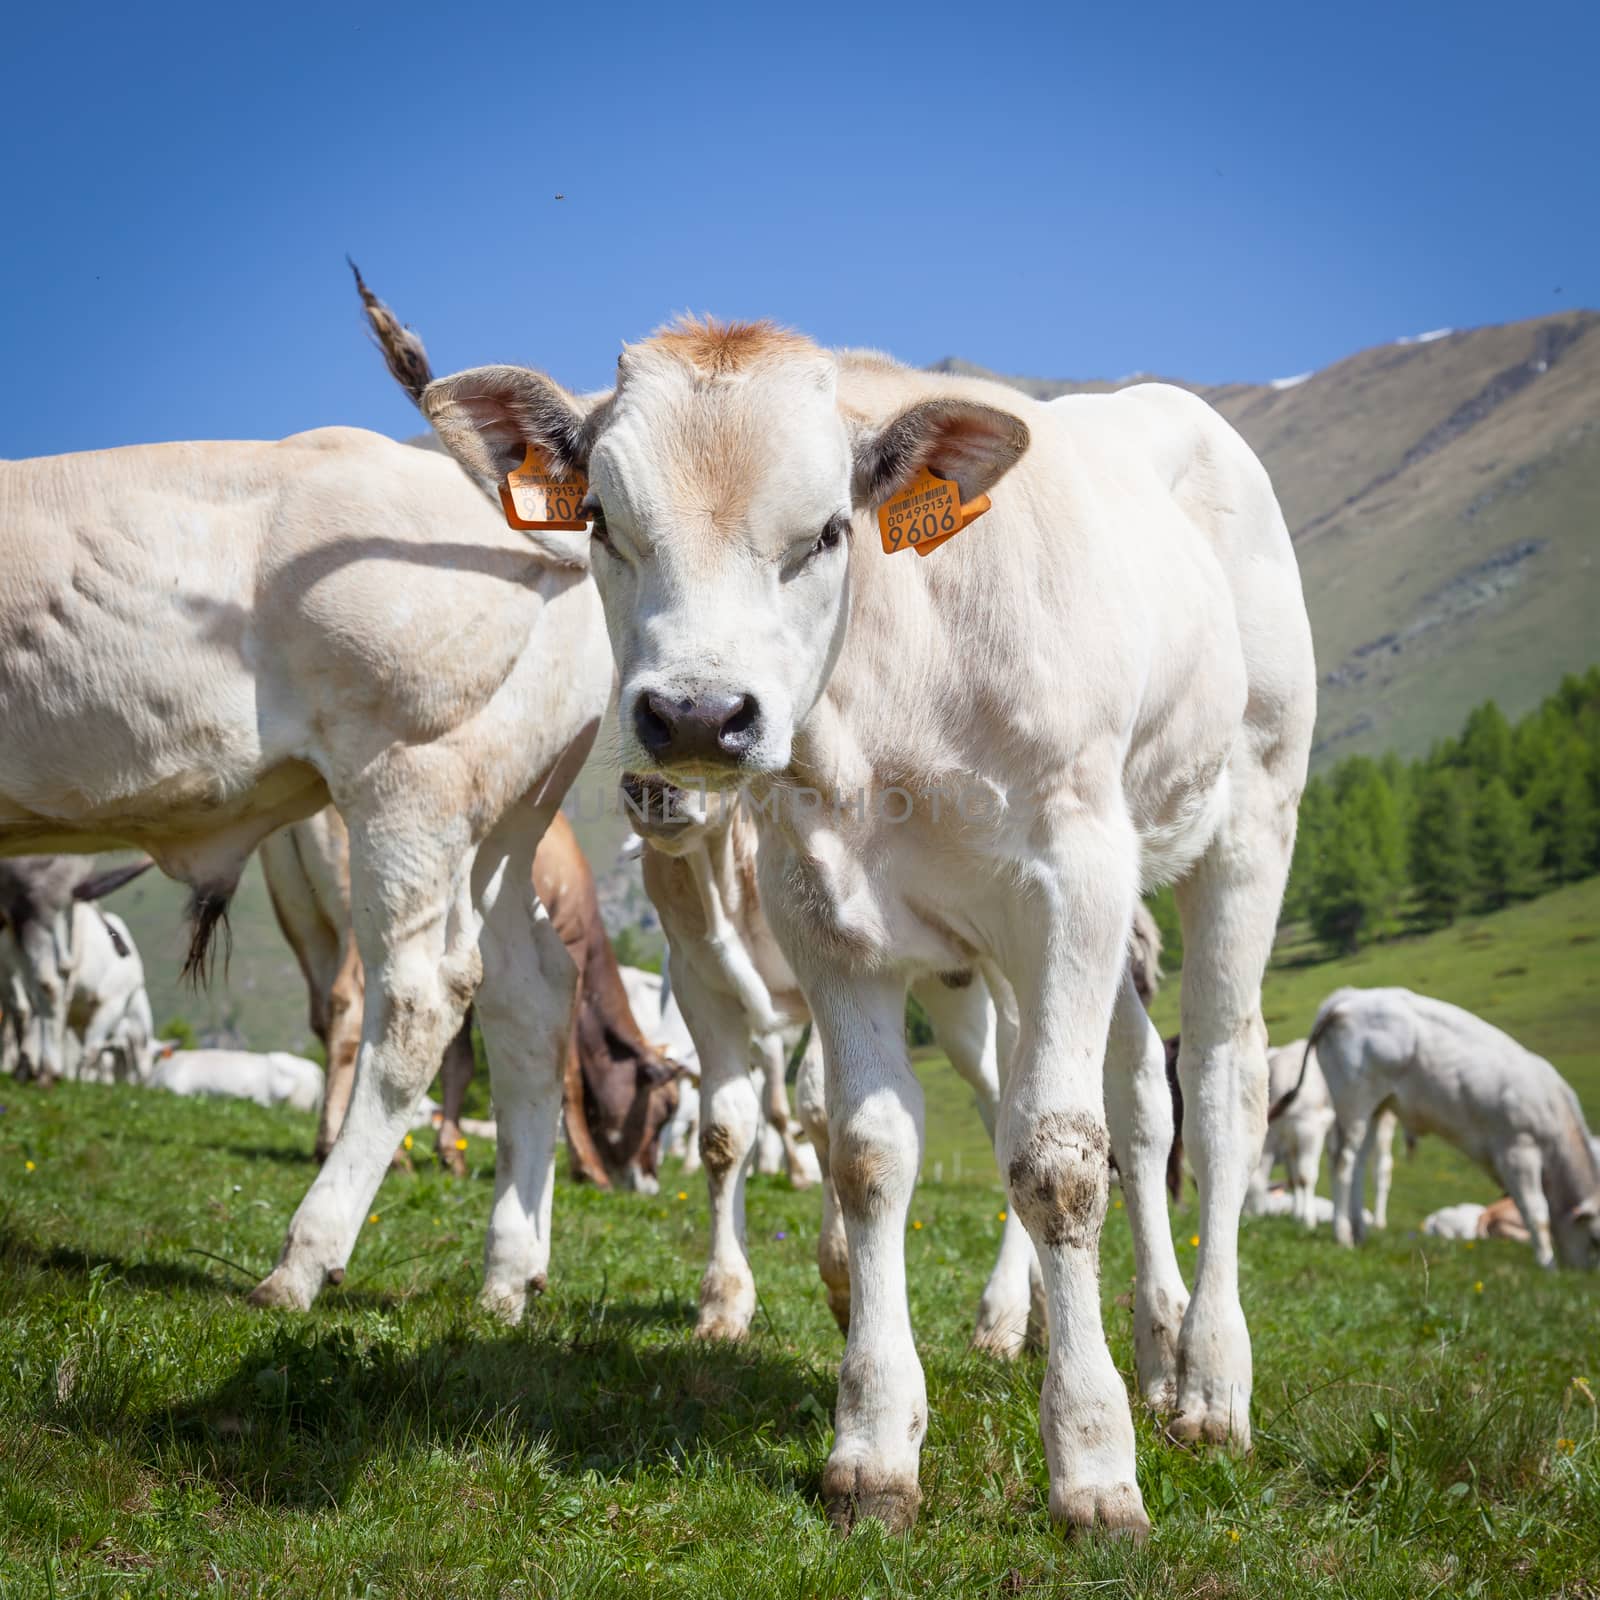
pixel 534 497
pixel 926 513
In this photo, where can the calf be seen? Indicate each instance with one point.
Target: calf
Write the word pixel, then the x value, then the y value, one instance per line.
pixel 1299 1123
pixel 109 1026
pixel 37 897
pixel 1445 1071
pixel 967 763
pixel 200 643
pixel 274 1079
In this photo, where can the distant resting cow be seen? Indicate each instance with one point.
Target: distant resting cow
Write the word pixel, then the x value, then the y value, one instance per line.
pixel 202 642
pixel 970 762
pixel 1448 1072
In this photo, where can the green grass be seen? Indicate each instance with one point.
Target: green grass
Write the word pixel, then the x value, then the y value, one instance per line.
pixel 159 1438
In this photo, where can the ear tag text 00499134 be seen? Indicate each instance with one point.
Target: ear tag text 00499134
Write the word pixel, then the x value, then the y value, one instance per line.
pixel 533 497
pixel 925 514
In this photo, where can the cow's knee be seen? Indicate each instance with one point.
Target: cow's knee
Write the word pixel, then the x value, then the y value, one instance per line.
pixel 727 1132
pixel 1058 1173
pixel 872 1161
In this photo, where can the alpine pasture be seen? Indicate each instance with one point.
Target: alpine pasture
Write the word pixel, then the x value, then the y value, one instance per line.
pixel 1426 1412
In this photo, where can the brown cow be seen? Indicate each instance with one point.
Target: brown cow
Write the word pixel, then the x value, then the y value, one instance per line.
pixel 618 1090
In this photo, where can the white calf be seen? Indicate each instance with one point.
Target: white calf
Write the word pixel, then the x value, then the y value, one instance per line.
pixel 111 1034
pixel 971 762
pixel 1300 1122
pixel 1448 1072
pixel 274 1079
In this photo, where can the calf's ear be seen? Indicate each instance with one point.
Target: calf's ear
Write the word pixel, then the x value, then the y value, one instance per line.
pixel 976 445
pixel 488 416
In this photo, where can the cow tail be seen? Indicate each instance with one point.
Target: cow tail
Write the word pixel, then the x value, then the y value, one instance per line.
pixel 98 887
pixel 1322 1024
pixel 402 348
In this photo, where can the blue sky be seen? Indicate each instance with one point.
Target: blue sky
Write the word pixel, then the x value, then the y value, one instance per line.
pixel 1216 192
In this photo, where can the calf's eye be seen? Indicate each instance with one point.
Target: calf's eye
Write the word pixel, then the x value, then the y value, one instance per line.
pixel 595 512
pixel 830 536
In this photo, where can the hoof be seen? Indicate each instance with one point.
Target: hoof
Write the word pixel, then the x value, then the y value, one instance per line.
pixel 1004 1341
pixel 853 1494
pixel 504 1302
pixel 282 1289
pixel 1116 1510
pixel 1161 1397
pixel 1198 1426
pixel 718 1326
pixel 453 1161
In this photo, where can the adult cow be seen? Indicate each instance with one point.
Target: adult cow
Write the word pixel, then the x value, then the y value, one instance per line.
pixel 976 759
pixel 202 642
pixel 1442 1070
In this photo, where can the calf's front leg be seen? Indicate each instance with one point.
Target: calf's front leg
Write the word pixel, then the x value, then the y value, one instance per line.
pixel 1065 961
pixel 874 1149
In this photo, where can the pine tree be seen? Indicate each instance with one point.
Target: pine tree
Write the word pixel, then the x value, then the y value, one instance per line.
pixel 1486 742
pixel 1348 891
pixel 1561 813
pixel 1441 853
pixel 1502 849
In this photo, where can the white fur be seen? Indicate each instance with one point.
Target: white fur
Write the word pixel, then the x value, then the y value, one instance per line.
pixel 1296 1138
pixel 1448 1072
pixel 274 1079
pixel 1115 661
pixel 202 642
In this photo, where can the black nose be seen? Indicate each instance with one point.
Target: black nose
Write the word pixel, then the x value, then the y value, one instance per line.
pixel 707 727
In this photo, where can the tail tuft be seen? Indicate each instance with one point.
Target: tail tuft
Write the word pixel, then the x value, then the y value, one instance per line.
pixel 208 912
pixel 403 350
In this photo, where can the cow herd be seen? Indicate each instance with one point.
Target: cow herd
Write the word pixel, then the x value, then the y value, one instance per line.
pixel 856 771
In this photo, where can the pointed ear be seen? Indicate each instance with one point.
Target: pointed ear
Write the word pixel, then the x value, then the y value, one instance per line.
pixel 488 416
pixel 974 444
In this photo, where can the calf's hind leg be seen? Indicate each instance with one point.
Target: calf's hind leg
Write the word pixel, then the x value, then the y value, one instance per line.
pixel 1229 907
pixel 524 1009
pixel 1139 1115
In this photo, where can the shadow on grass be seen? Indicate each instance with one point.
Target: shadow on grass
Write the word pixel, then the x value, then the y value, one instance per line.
pixel 19 1254
pixel 307 1408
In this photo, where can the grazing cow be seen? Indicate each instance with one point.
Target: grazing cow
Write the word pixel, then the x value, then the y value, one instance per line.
pixel 110 1030
pixel 200 643
pixel 1445 1071
pixel 968 762
pixel 37 896
pixel 274 1079
pixel 617 1088
pixel 1298 1125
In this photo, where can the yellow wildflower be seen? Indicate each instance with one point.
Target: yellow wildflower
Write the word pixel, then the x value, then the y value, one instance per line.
pixel 1477 1288
pixel 916 1225
pixel 1194 1239
pixel 461 1144
pixel 1002 1216
pixel 406 1141
pixel 373 1217
pixel 1566 1446
pixel 683 1194
pixel 27 1166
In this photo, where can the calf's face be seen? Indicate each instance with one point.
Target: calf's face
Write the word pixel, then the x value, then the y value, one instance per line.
pixel 726 482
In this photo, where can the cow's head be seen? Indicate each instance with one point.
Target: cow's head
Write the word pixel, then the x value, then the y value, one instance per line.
pixel 726 481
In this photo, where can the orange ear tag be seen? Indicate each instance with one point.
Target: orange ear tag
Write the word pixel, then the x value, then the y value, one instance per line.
pixel 533 497
pixel 925 514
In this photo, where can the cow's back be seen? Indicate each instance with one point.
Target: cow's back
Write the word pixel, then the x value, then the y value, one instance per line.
pixel 188 630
